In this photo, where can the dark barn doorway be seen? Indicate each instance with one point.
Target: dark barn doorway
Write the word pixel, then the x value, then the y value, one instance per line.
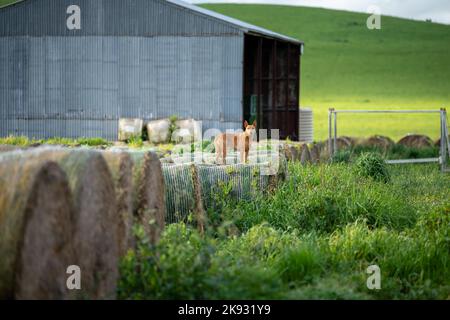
pixel 272 84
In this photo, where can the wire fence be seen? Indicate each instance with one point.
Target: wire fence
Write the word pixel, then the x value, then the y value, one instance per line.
pixel 444 147
pixel 239 181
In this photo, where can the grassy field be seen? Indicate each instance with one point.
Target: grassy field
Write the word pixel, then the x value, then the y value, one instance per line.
pixel 314 246
pixel 404 65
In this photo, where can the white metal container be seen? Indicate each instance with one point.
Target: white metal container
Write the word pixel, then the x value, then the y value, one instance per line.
pixel 306 129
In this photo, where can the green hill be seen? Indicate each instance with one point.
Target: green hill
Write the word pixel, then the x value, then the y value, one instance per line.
pixel 404 65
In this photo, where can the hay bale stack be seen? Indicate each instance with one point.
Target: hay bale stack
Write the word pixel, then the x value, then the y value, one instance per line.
pixel 319 152
pixel 180 197
pixel 378 141
pixel 416 141
pixel 148 193
pixel 342 142
pixel 315 153
pixel 183 194
pixel 291 152
pixel 158 131
pixel 191 187
pixel 244 179
pixel 277 174
pixel 121 167
pixel 35 229
pixel 437 143
pixel 129 128
pixel 305 156
pixel 351 141
pixel 187 131
pixel 95 224
pixel 200 213
pixel 8 147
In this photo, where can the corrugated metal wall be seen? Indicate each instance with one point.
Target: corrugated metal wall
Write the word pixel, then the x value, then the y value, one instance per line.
pixel 54 84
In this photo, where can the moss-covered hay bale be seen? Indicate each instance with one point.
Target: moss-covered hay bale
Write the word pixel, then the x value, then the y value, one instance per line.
pixel 305 155
pixel 183 194
pixel 342 143
pixel 377 141
pixel 291 151
pixel 35 229
pixel 148 193
pixel 193 187
pixel 315 152
pixel 238 181
pixel 95 227
pixel 416 141
pixel 8 148
pixel 121 168
pixel 437 143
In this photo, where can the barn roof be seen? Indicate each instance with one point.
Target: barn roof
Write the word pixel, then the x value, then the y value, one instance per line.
pixel 241 25
pixel 244 26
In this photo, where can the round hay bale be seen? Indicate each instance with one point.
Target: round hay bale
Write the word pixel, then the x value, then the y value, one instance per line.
pixel 319 152
pixel 187 131
pixel 158 131
pixel 315 153
pixel 416 141
pixel 378 141
pixel 200 213
pixel 298 151
pixel 95 225
pixel 342 142
pixel 148 193
pixel 129 128
pixel 278 176
pixel 8 147
pixel 305 157
pixel 121 167
pixel 35 229
pixel 352 141
pixel 437 143
pixel 290 152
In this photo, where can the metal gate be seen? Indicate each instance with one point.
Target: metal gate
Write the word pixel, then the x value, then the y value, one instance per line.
pixel 444 145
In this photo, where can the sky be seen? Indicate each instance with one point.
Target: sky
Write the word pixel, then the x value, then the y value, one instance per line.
pixel 436 10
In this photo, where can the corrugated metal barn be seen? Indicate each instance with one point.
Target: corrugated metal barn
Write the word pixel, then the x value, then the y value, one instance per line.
pixel 72 68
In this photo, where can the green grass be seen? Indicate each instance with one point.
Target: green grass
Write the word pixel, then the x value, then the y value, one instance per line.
pixel 22 141
pixel 404 65
pixel 312 239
